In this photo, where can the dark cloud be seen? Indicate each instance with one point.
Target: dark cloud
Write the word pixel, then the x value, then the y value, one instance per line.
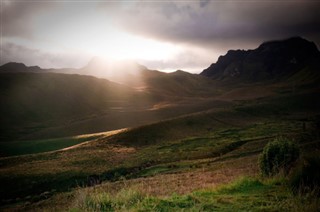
pixel 214 26
pixel 18 17
pixel 210 21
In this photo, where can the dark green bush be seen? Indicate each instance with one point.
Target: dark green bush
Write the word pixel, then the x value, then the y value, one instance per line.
pixel 278 155
pixel 305 177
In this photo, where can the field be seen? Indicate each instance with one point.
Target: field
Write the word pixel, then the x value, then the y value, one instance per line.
pixel 14 148
pixel 186 162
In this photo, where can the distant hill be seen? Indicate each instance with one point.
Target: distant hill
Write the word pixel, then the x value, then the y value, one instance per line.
pixel 273 60
pixel 131 74
pixel 179 83
pixel 14 67
pixel 46 105
pixel 34 101
pixel 123 72
pixel 37 103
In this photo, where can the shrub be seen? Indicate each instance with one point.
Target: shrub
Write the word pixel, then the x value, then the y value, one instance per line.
pixel 278 155
pixel 124 200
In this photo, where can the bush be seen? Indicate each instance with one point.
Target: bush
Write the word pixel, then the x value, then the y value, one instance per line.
pixel 278 155
pixel 305 178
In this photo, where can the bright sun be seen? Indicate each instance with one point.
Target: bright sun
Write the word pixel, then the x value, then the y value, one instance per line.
pixel 109 42
pixel 93 36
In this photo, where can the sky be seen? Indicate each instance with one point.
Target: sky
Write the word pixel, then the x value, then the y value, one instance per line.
pixel 162 35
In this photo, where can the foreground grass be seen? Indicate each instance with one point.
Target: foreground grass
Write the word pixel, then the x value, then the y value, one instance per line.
pixel 244 194
pixel 145 152
pixel 192 149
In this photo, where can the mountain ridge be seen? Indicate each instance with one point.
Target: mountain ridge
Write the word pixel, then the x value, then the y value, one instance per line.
pixel 271 60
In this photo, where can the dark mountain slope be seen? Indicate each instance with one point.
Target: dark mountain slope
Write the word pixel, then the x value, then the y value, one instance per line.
pixel 179 84
pixel 33 101
pixel 13 67
pixel 274 60
pixel 48 105
pixel 158 83
pixel 132 75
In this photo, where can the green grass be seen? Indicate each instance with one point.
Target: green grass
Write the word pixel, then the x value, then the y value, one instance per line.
pixel 204 141
pixel 14 148
pixel 173 152
pixel 244 194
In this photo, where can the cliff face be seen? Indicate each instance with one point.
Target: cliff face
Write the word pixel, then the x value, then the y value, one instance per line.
pixel 271 60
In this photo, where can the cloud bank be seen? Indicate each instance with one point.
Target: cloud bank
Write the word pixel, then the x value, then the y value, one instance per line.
pixel 68 34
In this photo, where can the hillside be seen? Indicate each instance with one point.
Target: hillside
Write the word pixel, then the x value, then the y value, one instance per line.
pixel 188 142
pixel 32 102
pixel 132 75
pixel 49 105
pixel 273 60
pixel 182 155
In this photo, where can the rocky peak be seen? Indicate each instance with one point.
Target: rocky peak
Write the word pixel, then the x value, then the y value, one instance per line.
pixel 270 60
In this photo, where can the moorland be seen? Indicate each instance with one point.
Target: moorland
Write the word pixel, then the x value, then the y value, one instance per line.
pixel 144 140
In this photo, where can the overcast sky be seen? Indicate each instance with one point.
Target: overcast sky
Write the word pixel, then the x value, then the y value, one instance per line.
pixel 162 35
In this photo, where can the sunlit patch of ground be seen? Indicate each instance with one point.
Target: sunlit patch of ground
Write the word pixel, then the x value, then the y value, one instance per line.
pixel 162 105
pixel 104 134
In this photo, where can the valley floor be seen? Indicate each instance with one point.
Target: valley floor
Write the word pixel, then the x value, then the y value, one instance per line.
pixel 207 161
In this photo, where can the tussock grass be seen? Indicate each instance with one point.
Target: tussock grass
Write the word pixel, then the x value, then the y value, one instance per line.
pixel 124 199
pixel 243 194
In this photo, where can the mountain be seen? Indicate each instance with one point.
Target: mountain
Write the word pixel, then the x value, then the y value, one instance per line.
pixel 130 74
pixel 179 84
pixel 37 103
pixel 272 60
pixel 137 76
pixel 123 71
pixel 18 67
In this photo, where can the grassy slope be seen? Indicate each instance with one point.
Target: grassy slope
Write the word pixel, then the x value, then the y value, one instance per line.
pixel 246 194
pixel 179 155
pixel 34 102
pixel 168 152
pixel 41 106
pixel 15 148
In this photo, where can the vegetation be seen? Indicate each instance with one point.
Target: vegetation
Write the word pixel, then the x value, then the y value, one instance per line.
pixel 37 106
pixel 149 157
pixel 305 178
pixel 14 148
pixel 191 162
pixel 278 155
pixel 244 194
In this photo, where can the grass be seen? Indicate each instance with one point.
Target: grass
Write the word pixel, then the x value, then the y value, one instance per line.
pixel 52 105
pixel 180 155
pixel 14 148
pixel 244 194
pixel 129 155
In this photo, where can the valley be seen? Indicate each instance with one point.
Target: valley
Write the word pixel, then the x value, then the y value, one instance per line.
pixel 162 142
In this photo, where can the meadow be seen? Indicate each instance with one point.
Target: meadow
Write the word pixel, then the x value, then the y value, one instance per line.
pixel 184 163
